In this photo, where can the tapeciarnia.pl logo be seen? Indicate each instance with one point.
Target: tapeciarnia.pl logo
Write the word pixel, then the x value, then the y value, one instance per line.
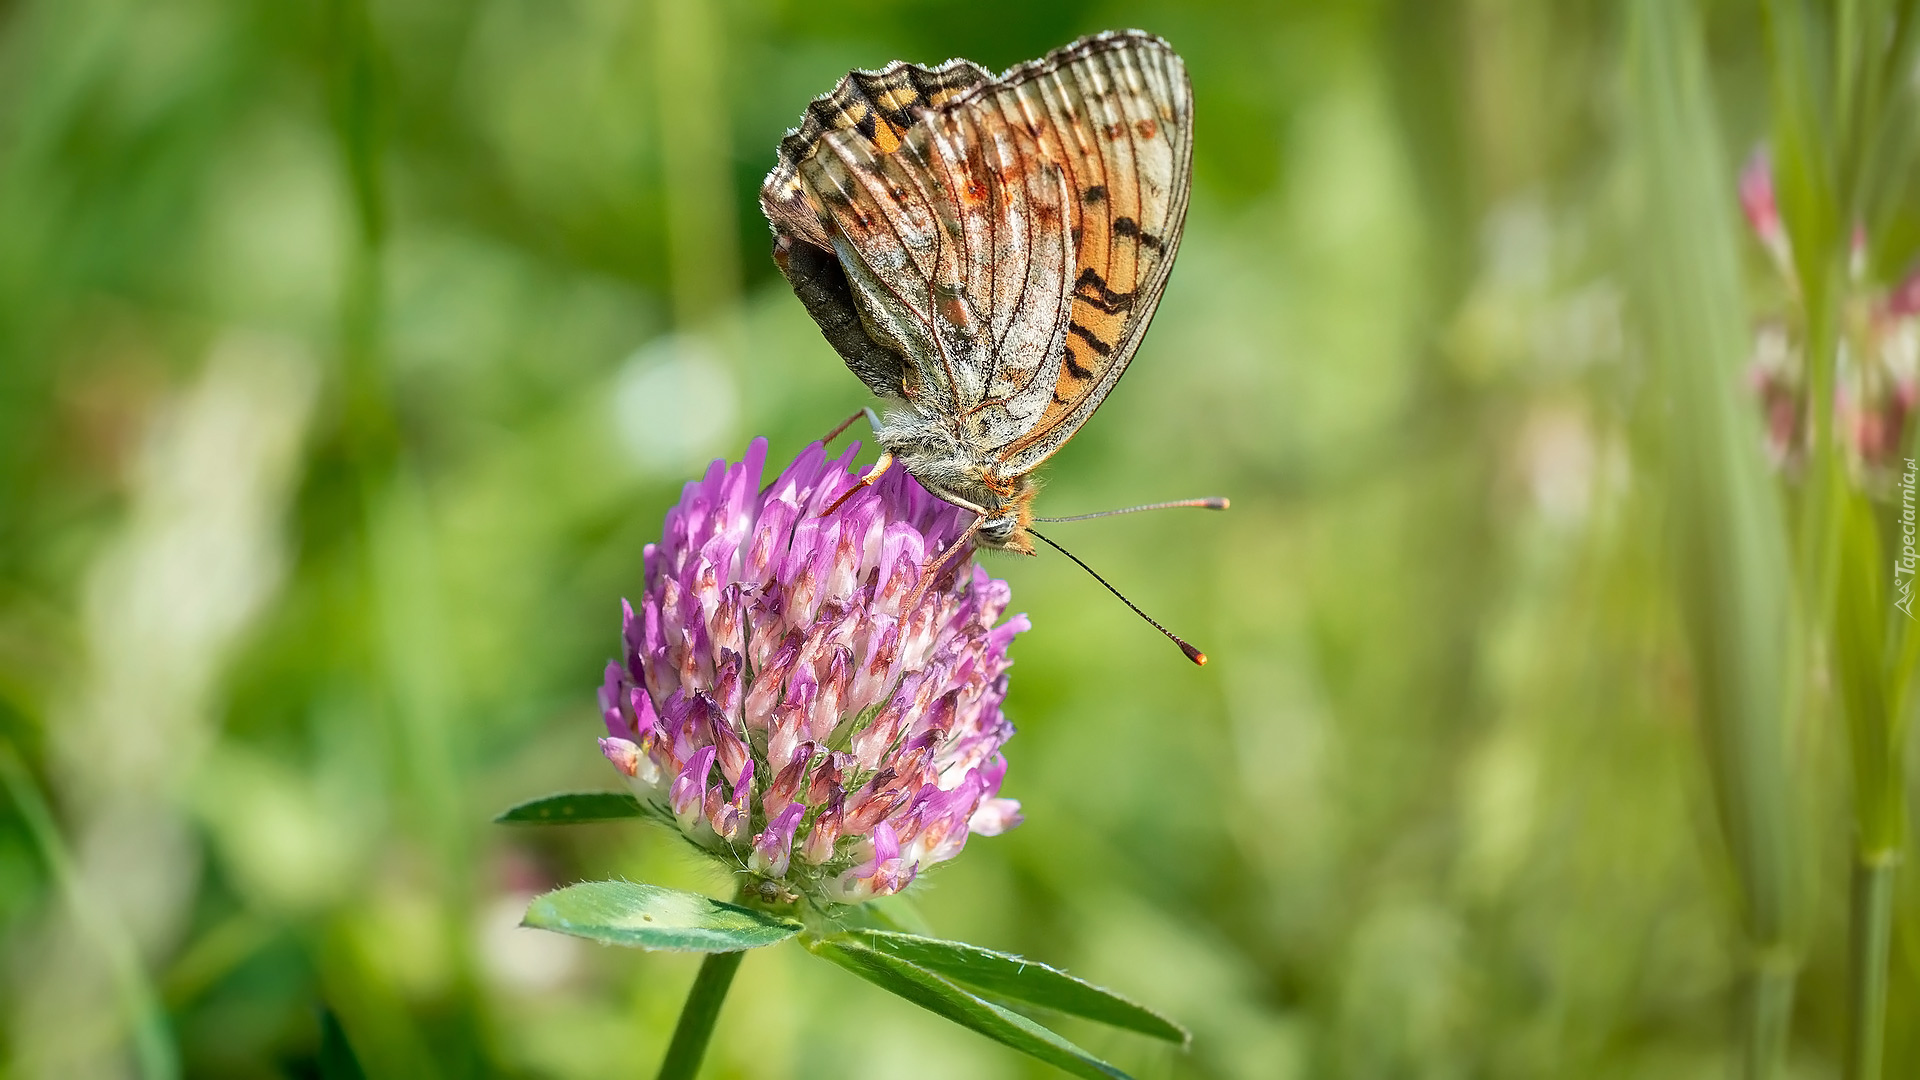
pixel 1904 565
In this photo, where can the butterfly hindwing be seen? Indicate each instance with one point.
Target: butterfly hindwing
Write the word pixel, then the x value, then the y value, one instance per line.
pixel 820 282
pixel 1003 242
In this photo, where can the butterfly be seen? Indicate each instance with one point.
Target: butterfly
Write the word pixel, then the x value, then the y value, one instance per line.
pixel 987 252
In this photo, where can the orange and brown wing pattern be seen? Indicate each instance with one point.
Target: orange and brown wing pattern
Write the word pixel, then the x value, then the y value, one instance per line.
pixel 1119 110
pixel 951 232
pixel 878 106
pixel 871 107
pixel 1000 244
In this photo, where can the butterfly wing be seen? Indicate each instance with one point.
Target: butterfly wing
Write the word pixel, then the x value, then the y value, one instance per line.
pixel 1119 110
pixel 1000 243
pixel 866 113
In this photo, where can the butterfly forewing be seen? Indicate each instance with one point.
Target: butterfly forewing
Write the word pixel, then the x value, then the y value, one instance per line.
pixel 1121 117
pixel 880 105
pixel 1007 239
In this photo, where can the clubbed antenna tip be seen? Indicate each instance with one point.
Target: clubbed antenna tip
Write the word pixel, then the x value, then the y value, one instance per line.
pixel 1199 658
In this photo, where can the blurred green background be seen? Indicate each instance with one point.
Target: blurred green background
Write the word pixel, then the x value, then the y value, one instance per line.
pixel 351 350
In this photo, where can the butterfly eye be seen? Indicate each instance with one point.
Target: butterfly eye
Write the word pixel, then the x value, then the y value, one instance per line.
pixel 998 530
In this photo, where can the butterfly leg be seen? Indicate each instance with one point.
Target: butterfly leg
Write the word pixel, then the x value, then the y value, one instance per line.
pixel 937 569
pixel 873 421
pixel 879 469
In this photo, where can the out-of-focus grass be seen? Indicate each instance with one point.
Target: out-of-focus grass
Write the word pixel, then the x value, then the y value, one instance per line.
pixel 1732 575
pixel 494 280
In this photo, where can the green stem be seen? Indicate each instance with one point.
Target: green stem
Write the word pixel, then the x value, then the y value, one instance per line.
pixel 697 1017
pixel 1872 934
pixel 153 1049
pixel 1769 1014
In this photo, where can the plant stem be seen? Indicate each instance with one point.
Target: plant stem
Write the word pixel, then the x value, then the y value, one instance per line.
pixel 697 1017
pixel 1872 933
pixel 1769 1013
pixel 153 1049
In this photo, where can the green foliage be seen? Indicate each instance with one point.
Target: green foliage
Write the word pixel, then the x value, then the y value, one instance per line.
pixel 1732 574
pixel 350 353
pixel 940 976
pixel 1013 978
pixel 336 1054
pixel 650 917
pixel 573 808
pixel 929 990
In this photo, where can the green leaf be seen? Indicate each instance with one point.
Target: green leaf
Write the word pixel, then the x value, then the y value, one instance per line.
pixel 939 995
pixel 895 912
pixel 650 917
pixel 1731 566
pixel 1013 978
pixel 573 808
pixel 337 1061
pixel 1861 618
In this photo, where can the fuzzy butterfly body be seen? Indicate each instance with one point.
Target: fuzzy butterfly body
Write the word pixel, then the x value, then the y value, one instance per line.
pixel 988 251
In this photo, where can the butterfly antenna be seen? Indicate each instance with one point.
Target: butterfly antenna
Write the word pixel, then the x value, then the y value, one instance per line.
pixel 1211 502
pixel 1193 654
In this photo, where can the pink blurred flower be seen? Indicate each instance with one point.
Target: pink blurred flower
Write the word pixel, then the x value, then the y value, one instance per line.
pixel 780 701
pixel 1763 213
pixel 1877 379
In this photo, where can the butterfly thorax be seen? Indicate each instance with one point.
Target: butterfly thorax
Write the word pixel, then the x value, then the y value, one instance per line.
pixel 948 464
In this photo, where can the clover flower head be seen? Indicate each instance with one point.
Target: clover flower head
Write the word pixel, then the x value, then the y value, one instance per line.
pixel 793 700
